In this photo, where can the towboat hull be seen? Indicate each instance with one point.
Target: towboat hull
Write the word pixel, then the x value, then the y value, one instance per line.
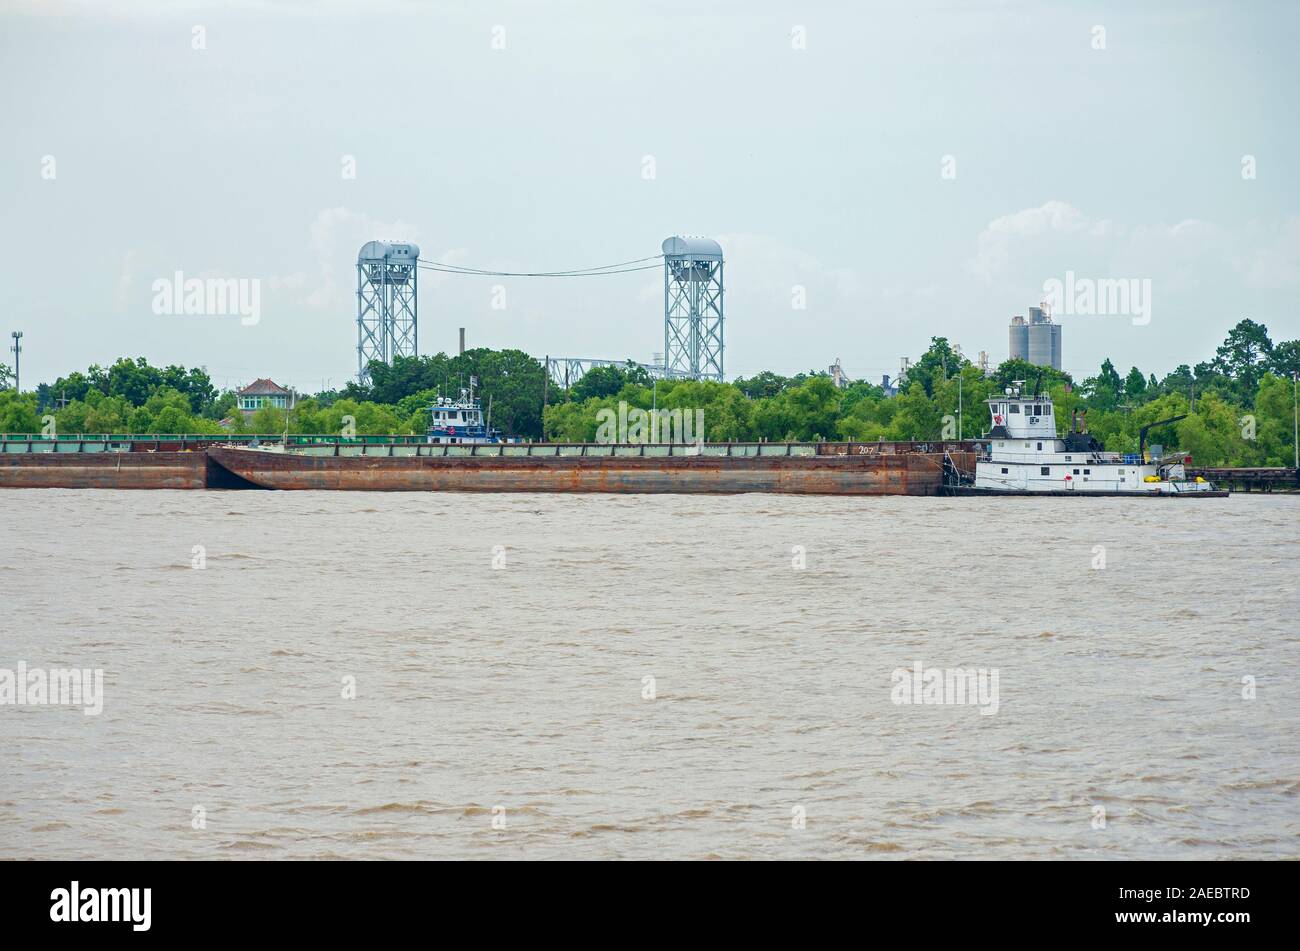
pixel 1092 493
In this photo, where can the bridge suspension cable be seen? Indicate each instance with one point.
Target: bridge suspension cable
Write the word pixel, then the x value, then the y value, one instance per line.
pixel 622 267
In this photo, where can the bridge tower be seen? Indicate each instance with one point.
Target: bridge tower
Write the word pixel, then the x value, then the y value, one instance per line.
pixel 693 310
pixel 386 303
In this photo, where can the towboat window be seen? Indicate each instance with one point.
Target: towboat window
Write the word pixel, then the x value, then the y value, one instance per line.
pixel 1040 447
pixel 1087 472
pixel 1004 471
pixel 1015 407
pixel 1046 470
pixel 1047 409
pixel 1076 471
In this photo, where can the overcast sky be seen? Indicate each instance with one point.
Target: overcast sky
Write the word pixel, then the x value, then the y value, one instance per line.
pixel 810 139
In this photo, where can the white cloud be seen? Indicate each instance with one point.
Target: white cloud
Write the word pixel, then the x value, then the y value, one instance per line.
pixel 336 236
pixel 1029 245
pixel 766 267
pixel 1002 236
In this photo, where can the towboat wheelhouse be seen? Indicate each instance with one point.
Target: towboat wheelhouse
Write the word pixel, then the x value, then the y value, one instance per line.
pixel 460 421
pixel 1025 455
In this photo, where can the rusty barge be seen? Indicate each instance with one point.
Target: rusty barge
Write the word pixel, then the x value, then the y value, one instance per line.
pixel 185 469
pixel 406 464
pixel 801 469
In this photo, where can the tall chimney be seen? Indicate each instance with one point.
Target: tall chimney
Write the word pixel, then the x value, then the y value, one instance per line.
pixel 462 339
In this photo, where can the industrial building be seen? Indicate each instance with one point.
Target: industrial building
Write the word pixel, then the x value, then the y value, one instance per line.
pixel 1037 341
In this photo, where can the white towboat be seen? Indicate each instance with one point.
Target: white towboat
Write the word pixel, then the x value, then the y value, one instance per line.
pixel 461 421
pixel 1026 457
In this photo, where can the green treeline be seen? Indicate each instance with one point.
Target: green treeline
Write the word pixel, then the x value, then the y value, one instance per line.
pixel 1241 401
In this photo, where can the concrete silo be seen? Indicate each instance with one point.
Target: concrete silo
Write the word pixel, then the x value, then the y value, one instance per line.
pixel 1044 340
pixel 1019 345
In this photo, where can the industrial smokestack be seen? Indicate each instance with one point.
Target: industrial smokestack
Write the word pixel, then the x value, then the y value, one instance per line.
pixel 462 339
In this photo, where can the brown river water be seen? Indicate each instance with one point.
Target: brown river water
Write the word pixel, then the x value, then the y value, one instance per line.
pixel 501 650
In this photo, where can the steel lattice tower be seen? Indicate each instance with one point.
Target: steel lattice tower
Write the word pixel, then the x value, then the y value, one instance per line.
pixel 386 303
pixel 693 315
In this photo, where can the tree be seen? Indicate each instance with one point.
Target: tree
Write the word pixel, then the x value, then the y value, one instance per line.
pixel 74 386
pixel 222 406
pixel 511 384
pixel 194 383
pixel 1009 371
pixel 965 392
pixel 1135 385
pixel 763 385
pixel 1103 391
pixel 571 422
pixel 266 420
pixel 18 412
pixel 867 417
pixel 405 376
pixel 1274 436
pixel 917 416
pixel 1285 361
pixel 804 413
pixel 1211 436
pixel 133 379
pixel 1244 356
pixel 936 364
pixel 599 382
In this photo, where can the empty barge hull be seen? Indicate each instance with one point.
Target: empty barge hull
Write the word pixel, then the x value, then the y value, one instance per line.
pixel 911 473
pixel 104 470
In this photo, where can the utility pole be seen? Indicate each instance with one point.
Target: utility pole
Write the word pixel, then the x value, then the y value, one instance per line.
pixel 292 399
pixel 546 383
pixel 1295 415
pixel 17 348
